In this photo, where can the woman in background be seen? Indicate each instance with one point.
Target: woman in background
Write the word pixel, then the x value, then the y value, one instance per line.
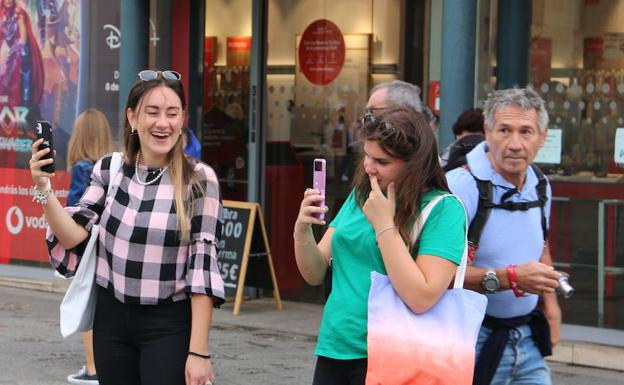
pixel 91 139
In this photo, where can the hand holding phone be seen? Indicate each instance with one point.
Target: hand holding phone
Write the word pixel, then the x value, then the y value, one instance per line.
pixel 318 182
pixel 43 130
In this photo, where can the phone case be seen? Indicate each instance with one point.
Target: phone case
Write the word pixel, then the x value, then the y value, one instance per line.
pixel 318 182
pixel 44 130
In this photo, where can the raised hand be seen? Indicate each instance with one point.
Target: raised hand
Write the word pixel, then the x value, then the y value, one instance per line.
pixel 379 209
pixel 308 208
pixel 40 177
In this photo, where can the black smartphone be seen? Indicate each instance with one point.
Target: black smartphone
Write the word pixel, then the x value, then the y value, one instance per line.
pixel 44 130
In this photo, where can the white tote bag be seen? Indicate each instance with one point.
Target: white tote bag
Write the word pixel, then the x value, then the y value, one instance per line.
pixel 434 347
pixel 78 305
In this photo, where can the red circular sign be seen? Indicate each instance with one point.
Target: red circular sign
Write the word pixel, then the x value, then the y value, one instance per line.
pixel 321 52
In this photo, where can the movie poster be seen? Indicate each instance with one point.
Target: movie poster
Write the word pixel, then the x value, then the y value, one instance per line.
pixel 39 65
pixel 39 76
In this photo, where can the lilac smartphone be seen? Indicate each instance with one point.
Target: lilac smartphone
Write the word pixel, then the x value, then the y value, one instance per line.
pixel 43 130
pixel 318 182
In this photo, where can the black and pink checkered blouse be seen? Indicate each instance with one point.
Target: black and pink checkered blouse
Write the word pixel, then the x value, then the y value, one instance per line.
pixel 141 258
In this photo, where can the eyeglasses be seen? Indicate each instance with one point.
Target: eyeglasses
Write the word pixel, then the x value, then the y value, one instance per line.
pixel 147 75
pixel 374 110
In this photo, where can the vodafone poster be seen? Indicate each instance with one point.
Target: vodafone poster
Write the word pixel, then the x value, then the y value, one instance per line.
pixel 39 75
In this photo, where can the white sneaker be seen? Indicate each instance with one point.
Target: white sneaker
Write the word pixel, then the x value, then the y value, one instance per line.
pixel 82 378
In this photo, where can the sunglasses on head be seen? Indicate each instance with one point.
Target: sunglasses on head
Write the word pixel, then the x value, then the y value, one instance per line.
pixel 383 130
pixel 147 75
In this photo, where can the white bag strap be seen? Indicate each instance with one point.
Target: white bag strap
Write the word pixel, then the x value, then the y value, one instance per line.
pixel 115 166
pixel 420 223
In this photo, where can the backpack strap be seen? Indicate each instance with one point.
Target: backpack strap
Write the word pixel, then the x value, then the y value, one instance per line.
pixel 542 195
pixel 483 210
pixel 486 204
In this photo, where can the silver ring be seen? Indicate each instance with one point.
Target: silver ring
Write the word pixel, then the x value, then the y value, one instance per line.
pixel 208 383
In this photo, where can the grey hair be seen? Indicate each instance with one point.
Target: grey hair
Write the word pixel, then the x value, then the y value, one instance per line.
pixel 401 94
pixel 525 98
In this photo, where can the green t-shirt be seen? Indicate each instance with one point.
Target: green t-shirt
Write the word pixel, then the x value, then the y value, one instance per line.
pixel 355 254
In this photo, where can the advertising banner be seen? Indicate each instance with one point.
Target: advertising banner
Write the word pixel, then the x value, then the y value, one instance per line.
pixel 40 43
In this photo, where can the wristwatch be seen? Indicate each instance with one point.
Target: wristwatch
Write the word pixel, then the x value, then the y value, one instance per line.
pixel 490 282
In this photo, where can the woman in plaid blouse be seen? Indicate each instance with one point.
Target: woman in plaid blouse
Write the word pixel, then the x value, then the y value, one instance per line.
pixel 157 271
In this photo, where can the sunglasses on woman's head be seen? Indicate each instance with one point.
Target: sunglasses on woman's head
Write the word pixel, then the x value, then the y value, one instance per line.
pixel 386 129
pixel 147 75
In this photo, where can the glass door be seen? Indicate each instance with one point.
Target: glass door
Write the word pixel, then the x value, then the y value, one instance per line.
pixel 225 105
pixel 323 58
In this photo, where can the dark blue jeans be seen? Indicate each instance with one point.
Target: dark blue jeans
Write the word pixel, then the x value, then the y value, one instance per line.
pixel 140 344
pixel 522 363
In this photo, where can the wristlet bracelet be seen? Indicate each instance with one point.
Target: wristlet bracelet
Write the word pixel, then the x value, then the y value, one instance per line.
pixel 42 196
pixel 204 356
pixel 377 234
pixel 513 281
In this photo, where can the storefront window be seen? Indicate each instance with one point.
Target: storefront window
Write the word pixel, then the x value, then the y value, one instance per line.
pixel 577 66
pixel 323 58
pixel 227 50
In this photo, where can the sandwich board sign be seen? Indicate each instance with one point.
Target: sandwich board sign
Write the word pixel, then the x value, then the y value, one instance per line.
pixel 244 252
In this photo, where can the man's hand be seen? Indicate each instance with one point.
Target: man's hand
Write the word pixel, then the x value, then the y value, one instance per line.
pixel 537 278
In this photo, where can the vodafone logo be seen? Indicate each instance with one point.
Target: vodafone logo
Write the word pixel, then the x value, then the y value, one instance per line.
pixel 15 221
pixel 14 226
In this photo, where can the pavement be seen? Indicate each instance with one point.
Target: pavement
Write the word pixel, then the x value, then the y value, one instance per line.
pixel 300 321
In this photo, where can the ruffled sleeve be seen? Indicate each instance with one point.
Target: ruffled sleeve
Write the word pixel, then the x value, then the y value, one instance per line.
pixel 86 213
pixel 203 273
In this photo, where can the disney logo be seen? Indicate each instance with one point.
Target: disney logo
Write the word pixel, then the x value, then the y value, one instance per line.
pixel 113 40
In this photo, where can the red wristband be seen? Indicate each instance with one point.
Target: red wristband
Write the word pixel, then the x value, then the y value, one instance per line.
pixel 472 251
pixel 513 281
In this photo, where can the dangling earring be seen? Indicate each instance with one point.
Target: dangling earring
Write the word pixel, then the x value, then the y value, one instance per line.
pixel 134 131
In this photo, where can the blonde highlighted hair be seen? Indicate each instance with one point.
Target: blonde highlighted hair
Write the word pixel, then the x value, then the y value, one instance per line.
pixel 184 178
pixel 91 138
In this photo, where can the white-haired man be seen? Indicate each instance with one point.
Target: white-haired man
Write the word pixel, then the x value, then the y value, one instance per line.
pixel 507 200
pixel 394 94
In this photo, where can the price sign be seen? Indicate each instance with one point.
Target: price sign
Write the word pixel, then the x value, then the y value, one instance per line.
pixel 244 253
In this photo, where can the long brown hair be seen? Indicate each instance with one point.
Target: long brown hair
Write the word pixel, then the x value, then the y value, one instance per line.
pixel 91 138
pixel 183 175
pixel 406 135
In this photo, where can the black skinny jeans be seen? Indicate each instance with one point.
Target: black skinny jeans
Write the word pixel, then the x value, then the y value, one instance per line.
pixel 330 371
pixel 140 344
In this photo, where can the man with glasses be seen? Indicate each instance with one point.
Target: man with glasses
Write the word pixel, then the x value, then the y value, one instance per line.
pixel 396 94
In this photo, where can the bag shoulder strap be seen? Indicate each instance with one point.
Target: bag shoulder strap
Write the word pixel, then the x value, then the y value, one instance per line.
pixel 420 223
pixel 115 166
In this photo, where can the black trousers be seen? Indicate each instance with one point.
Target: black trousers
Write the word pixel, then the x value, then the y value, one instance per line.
pixel 340 372
pixel 140 344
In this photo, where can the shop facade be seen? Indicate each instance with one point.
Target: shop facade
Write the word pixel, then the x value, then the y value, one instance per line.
pixel 274 84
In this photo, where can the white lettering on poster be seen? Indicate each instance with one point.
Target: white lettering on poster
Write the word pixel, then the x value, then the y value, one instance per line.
pixel 113 40
pixel 28 191
pixel 15 221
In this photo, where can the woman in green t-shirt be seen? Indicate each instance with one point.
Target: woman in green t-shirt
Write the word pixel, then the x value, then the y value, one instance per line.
pixel 398 175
